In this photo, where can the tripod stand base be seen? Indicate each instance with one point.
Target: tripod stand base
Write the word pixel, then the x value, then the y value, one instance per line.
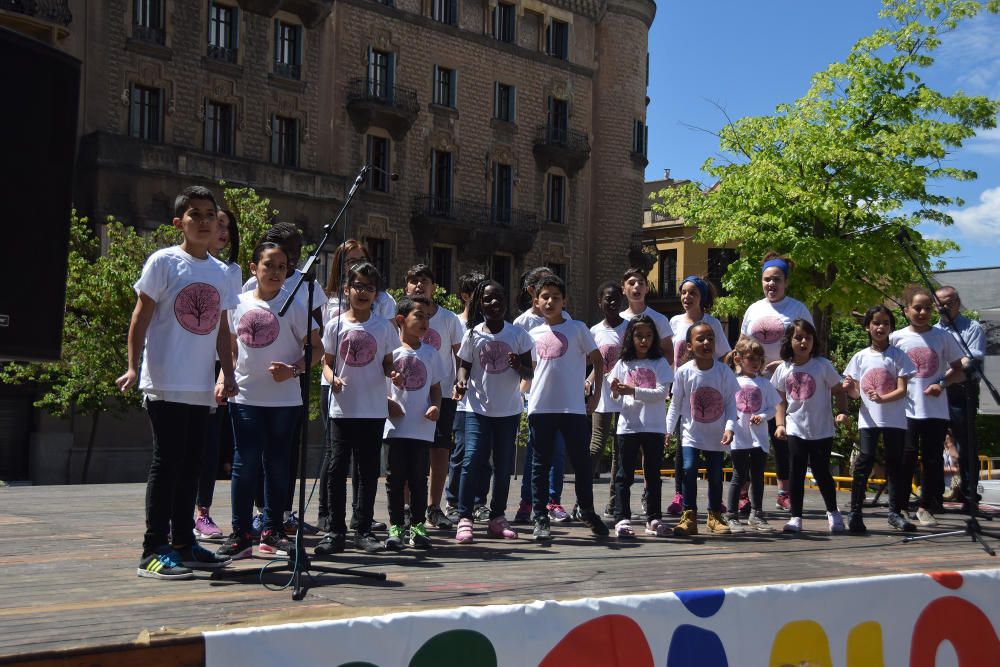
pixel 972 529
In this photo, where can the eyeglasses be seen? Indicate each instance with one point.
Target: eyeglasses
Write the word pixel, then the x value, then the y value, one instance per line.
pixel 363 287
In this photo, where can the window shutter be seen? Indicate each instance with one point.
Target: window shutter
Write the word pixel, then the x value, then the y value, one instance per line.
pixel 236 28
pixel 133 120
pixel 453 89
pixel 513 104
pixel 496 100
pixel 645 140
pixel 157 134
pixel 275 140
pixel 300 38
pixel 548 37
pixel 436 89
pixel 495 18
pixel 390 83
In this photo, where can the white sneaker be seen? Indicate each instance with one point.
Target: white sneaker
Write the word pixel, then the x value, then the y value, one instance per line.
pixel 836 521
pixel 624 529
pixel 794 525
pixel 926 518
pixel 657 528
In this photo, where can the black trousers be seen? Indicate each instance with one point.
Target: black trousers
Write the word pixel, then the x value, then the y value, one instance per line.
pixel 651 445
pixel 362 440
pixel 926 437
pixel 782 460
pixel 958 395
pixel 748 464
pixel 898 484
pixel 814 454
pixel 408 460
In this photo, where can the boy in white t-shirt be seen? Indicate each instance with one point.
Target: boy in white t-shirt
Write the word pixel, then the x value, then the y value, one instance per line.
pixel 636 287
pixel 179 324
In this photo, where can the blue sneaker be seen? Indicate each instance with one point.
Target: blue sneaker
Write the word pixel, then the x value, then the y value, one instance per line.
pixel 257 525
pixel 164 563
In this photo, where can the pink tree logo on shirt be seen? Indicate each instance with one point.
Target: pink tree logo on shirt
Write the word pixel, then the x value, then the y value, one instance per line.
pixel 413 370
pixel 432 338
pixel 551 345
pixel 926 361
pixel 879 380
pixel 610 352
pixel 196 308
pixel 680 350
pixel 493 356
pixel 707 405
pixel 801 386
pixel 749 400
pixel 768 329
pixel 643 378
pixel 258 328
pixel 358 348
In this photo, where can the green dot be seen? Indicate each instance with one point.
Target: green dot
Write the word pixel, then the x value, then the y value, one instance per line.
pixel 456 648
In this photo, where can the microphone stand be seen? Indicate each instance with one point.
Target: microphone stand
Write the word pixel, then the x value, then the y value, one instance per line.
pixel 970 457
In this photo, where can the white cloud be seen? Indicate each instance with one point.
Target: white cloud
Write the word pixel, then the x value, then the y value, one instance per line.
pixel 980 223
pixel 986 142
pixel 972 52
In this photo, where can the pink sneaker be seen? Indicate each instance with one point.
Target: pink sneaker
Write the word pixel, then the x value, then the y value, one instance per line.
pixel 204 527
pixel 783 502
pixel 464 533
pixel 499 528
pixel 677 506
pixel 556 513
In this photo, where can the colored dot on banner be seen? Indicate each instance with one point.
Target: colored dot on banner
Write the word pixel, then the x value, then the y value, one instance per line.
pixel 703 603
pixel 801 643
pixel 864 645
pixel 691 645
pixel 454 648
pixel 358 664
pixel 952 580
pixel 607 641
pixel 959 622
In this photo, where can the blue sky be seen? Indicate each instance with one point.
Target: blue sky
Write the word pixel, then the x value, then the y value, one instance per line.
pixel 750 56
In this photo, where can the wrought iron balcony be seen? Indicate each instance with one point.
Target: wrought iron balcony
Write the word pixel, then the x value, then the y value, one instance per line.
pixel 149 34
pixel 53 11
pixel 222 53
pixel 372 102
pixel 478 228
pixel 562 147
pixel 312 13
pixel 287 70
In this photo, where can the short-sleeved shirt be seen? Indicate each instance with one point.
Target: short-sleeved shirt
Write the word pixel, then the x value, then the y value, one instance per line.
pixel 421 370
pixel 609 343
pixel 384 307
pixel 766 322
pixel 262 336
pixel 932 352
pixel 528 320
pixel 191 296
pixel 680 326
pixel 704 402
pixel 809 411
pixel 319 296
pixel 968 330
pixel 659 319
pixel 646 411
pixel 360 348
pixel 492 387
pixel 756 396
pixel 880 371
pixel 444 331
pixel 561 351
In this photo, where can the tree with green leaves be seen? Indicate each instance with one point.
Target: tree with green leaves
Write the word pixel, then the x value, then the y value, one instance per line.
pixel 255 217
pixel 828 178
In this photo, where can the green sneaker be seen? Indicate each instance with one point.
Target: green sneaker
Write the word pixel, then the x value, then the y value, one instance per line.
pixel 418 536
pixel 395 540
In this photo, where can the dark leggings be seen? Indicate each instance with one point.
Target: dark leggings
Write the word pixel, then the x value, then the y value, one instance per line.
pixel 360 440
pixel 408 462
pixel 780 449
pixel 678 466
pixel 926 436
pixel 899 486
pixel 651 445
pixel 815 454
pixel 746 461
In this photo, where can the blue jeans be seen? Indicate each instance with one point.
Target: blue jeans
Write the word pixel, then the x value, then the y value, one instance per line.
pixel 555 473
pixel 713 466
pixel 575 430
pixel 484 436
pixel 455 466
pixel 261 434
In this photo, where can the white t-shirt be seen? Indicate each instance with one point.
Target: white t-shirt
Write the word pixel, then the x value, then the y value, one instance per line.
pixel 319 296
pixel 235 274
pixel 756 396
pixel 646 411
pixel 766 322
pixel 384 307
pixel 262 336
pixel 422 369
pixel 444 331
pixel 609 343
pixel 704 402
pixel 932 353
pixel 561 352
pixel 880 371
pixel 809 414
pixel 659 319
pixel 680 326
pixel 191 296
pixel 492 388
pixel 528 320
pixel 360 349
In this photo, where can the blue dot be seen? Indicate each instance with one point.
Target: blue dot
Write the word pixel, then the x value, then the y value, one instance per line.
pixel 703 603
pixel 692 646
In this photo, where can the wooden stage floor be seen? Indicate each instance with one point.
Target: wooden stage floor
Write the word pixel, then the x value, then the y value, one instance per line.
pixel 68 558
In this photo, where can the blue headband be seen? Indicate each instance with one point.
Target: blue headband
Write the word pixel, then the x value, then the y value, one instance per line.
pixel 778 262
pixel 701 285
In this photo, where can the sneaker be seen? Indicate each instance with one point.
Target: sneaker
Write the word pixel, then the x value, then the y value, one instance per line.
pixel 378 526
pixel 794 525
pixel 855 524
pixel 451 512
pixel 165 564
pixel 198 557
pixel 407 517
pixel 556 513
pixel 657 528
pixel 332 543
pixel 523 514
pixel 733 522
pixel 677 506
pixel 744 507
pixel 368 543
pixel 900 522
pixel 925 518
pixel 642 502
pixel 395 540
pixel 257 525
pixel 418 536
pixel 609 512
pixel 500 528
pixel 204 527
pixel 292 525
pixel 463 535
pixel 595 523
pixel 436 518
pixel 624 529
pixel 836 521
pixel 723 509
pixel 481 514
pixel 783 502
pixel 688 525
pixel 237 546
pixel 716 524
pixel 542 532
pixel 756 521
pixel 275 543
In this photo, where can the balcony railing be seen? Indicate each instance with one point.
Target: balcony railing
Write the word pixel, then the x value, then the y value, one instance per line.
pixel 149 34
pixel 222 53
pixel 563 137
pixel 55 11
pixel 474 213
pixel 380 92
pixel 288 70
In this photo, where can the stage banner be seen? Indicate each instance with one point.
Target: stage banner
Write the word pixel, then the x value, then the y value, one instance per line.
pixel 915 620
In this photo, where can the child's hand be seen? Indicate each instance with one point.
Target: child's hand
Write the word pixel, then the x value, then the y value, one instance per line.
pixel 874 396
pixel 397 379
pixel 933 390
pixel 280 371
pixel 337 384
pixel 779 433
pixel 727 438
pixel 756 419
pixel 848 384
pixel 225 389
pixel 395 409
pixel 626 390
pixel 126 381
pixel 592 403
pixel 433 413
pixel 459 391
pixel 843 419
pixel 514 361
pixel 615 384
pixel 769 369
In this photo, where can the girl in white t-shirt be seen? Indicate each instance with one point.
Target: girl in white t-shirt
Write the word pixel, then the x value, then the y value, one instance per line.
pixel 806 382
pixel 636 287
pixel 878 375
pixel 704 404
pixel 640 380
pixel 358 358
pixel 938 361
pixel 756 402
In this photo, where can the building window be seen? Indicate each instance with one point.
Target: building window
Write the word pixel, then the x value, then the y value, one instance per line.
pixel 500 271
pixel 559 269
pixel 668 273
pixel 719 260
pixel 219 128
pixel 504 22
pixel 378 158
pixel 557 39
pixel 445 86
pixel 287 50
pixel 640 138
pixel 555 198
pixel 380 74
pixel 284 141
pixel 442 264
pixel 445 11
pixel 558 120
pixel 504 102
pixel 223 32
pixel 503 192
pixel 441 186
pixel 146 117
pixel 148 21
pixel 378 250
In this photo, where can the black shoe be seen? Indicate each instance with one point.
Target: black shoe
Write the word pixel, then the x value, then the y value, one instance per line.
pixel 437 518
pixel 332 543
pixel 237 546
pixel 198 557
pixel 275 543
pixel 379 526
pixel 323 524
pixel 368 543
pixel 594 522
pixel 900 522
pixel 164 565
pixel 542 531
pixel 855 524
